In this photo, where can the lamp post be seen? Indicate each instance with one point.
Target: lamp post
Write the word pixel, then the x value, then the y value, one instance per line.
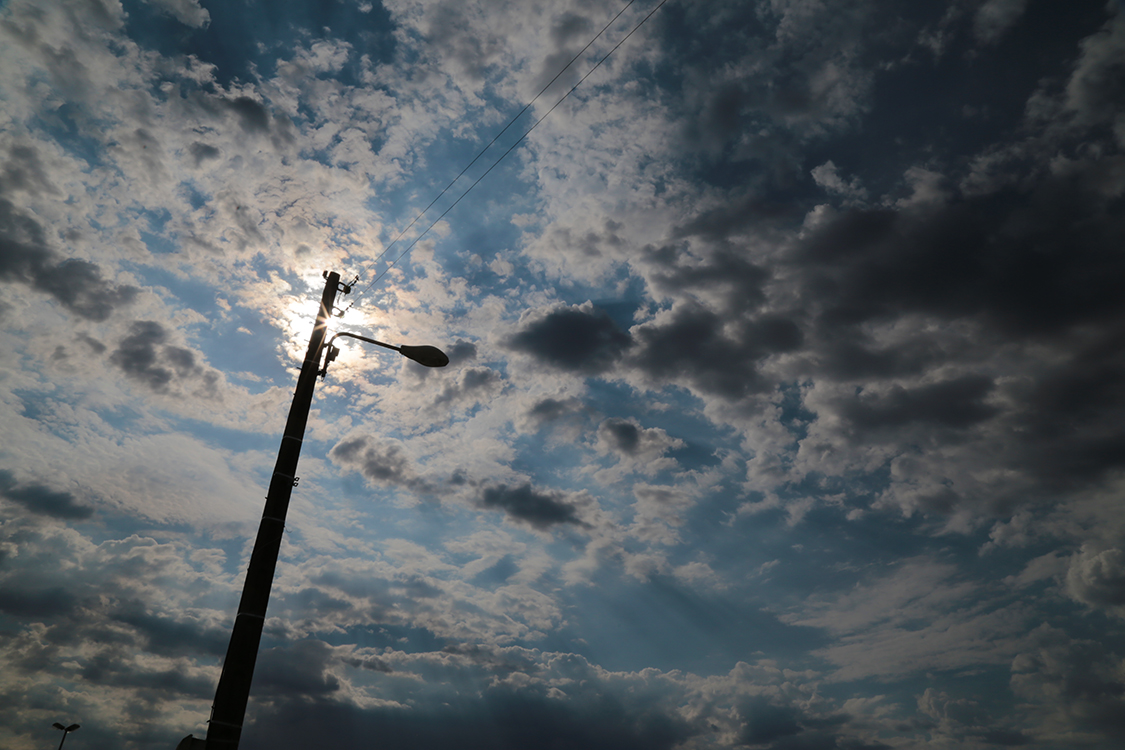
pixel 233 691
pixel 65 731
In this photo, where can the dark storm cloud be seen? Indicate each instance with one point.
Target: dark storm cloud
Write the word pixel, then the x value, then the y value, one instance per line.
pixel 714 355
pixel 496 719
pixel 144 357
pixel 539 508
pixel 42 500
pixel 854 358
pixel 1027 264
pixel 726 276
pixel 169 636
pixel 735 216
pixel 299 669
pixel 784 726
pixel 381 461
pixel 1032 266
pixel 1078 677
pixel 793 68
pixel 576 339
pixel 957 403
pixel 994 18
pixel 1004 737
pixel 1083 385
pixel 1096 90
pixel 112 667
pixel 43 603
pixel 1098 578
pixel 77 284
pixel 721 112
pixel 764 722
pixel 1069 418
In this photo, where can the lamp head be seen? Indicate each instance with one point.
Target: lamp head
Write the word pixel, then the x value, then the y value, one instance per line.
pixel 430 356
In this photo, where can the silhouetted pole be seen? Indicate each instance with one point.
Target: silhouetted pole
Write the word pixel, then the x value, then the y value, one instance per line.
pixel 233 692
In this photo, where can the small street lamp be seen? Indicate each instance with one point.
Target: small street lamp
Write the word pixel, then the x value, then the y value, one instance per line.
pixel 65 731
pixel 224 729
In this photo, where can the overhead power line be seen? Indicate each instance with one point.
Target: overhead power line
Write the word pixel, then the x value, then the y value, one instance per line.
pixel 509 149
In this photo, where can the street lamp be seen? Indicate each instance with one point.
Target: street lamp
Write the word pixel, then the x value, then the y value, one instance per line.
pixel 65 731
pixel 430 356
pixel 233 692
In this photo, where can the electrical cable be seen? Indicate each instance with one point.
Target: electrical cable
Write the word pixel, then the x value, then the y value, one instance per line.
pixel 483 150
pixel 509 149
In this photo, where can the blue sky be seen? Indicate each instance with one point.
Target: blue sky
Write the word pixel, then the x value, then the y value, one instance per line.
pixel 785 397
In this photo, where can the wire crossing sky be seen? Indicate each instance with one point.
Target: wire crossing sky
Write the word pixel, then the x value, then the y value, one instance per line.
pixel 785 398
pixel 495 138
pixel 518 142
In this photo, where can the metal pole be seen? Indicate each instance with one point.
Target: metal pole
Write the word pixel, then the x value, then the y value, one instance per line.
pixel 233 691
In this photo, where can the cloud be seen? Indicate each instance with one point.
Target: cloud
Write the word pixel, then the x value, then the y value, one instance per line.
pixel 694 346
pixel 780 725
pixel 41 603
pixel 501 718
pixel 42 500
pixel 827 175
pixel 472 385
pixel 380 461
pixel 298 669
pixel 917 618
pixel 995 17
pixel 170 635
pixel 187 12
pixel 77 284
pixel 964 719
pixel 1094 91
pixel 957 262
pixel 626 436
pixel 1071 683
pixel 956 404
pixel 461 351
pixel 252 114
pixel 1098 578
pixel 636 448
pixel 724 276
pixel 580 339
pixel 546 411
pixel 144 356
pixel 541 509
pixel 659 511
pixel 927 344
pixel 202 152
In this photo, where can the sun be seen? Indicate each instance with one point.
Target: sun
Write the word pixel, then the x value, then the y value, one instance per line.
pixel 296 312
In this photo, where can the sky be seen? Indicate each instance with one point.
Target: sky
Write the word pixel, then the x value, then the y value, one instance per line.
pixel 785 400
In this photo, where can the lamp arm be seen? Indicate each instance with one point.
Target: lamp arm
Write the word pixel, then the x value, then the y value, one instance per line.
pixel 364 338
